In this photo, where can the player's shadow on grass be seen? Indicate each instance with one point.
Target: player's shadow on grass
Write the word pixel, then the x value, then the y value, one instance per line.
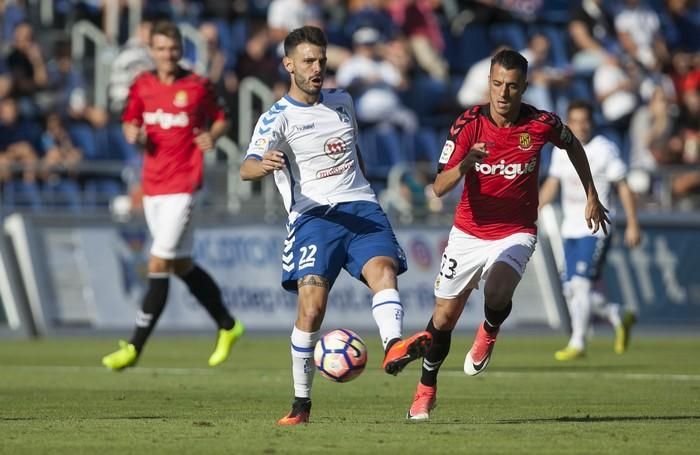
pixel 597 419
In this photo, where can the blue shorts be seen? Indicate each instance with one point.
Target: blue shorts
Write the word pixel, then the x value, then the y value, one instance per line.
pixel 585 256
pixel 326 239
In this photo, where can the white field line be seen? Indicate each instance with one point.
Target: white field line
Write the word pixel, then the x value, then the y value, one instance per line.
pixel 494 374
pixel 83 369
pixel 585 375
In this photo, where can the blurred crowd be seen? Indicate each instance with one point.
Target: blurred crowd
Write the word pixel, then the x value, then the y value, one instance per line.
pixel 411 66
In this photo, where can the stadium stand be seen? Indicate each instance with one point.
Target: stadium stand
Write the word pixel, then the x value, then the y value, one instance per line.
pixel 54 61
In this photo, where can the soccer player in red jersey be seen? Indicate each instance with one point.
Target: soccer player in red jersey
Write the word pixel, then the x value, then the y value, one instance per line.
pixel 495 148
pixel 178 112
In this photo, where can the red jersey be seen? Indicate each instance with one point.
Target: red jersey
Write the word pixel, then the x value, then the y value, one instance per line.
pixel 173 114
pixel 500 195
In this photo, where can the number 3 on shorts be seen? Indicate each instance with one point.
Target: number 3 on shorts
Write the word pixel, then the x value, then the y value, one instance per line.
pixel 447 267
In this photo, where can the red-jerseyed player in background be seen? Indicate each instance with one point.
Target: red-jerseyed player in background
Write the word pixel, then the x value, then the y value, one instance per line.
pixel 178 112
pixel 496 149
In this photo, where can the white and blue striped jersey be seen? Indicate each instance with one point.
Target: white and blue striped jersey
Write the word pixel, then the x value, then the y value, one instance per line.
pixel 607 168
pixel 320 146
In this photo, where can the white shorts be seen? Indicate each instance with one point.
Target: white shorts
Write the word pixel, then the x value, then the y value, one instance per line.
pixel 169 219
pixel 467 258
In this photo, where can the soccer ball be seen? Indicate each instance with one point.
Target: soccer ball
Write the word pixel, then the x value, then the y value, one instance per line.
pixel 340 355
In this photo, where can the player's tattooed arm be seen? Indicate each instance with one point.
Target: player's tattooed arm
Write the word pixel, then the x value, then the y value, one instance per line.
pixel 313 280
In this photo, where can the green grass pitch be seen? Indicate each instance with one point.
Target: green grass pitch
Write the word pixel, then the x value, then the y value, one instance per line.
pixel 56 398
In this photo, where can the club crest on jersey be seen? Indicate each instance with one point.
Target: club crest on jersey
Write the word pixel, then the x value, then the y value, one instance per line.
pixel 335 147
pixel 343 114
pixel 180 99
pixel 525 141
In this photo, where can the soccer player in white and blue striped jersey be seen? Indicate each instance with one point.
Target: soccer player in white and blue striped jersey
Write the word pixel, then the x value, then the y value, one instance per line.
pixel 308 141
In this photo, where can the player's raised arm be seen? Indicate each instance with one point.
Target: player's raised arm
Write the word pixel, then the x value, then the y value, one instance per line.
pixel 447 180
pixel 255 168
pixel 596 213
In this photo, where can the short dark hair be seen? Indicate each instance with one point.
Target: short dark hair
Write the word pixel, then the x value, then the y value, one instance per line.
pixel 167 28
pixel 510 60
pixel 305 34
pixel 580 104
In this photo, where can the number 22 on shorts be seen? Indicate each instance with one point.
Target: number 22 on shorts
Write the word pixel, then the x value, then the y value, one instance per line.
pixel 308 256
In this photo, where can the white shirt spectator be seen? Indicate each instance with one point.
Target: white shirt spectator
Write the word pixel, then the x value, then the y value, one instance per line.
pixel 475 87
pixel 291 14
pixel 608 77
pixel 642 24
pixel 133 59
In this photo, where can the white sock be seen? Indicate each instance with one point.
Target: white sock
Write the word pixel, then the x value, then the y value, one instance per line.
pixel 609 311
pixel 388 314
pixel 303 344
pixel 580 309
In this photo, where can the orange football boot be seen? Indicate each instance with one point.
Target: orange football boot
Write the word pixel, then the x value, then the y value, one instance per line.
pixel 405 351
pixel 301 410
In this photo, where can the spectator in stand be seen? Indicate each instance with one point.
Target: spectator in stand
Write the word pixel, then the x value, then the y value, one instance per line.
pixel 652 133
pixel 286 15
pixel 690 127
pixel 490 11
pixel 283 16
pixel 616 92
pixel 258 60
pixel 11 14
pixel 373 82
pixel 685 75
pixel 27 69
pixel 133 58
pixel 475 87
pixel 82 119
pixel 680 25
pixel 18 143
pixel 5 80
pixel 684 186
pixel 372 14
pixel 639 31
pixel 419 23
pixel 216 59
pixel 71 90
pixel 542 77
pixel 592 31
pixel 688 183
pixel 60 155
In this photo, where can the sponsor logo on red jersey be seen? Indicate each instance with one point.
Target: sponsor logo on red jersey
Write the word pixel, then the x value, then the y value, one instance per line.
pixel 507 170
pixel 166 120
